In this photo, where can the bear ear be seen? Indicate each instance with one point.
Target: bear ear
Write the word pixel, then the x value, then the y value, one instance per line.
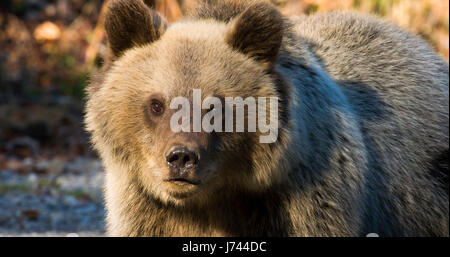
pixel 257 32
pixel 130 23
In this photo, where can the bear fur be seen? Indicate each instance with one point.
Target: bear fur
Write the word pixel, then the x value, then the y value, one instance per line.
pixel 363 117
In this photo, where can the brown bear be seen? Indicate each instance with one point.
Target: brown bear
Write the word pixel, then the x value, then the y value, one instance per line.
pixel 362 114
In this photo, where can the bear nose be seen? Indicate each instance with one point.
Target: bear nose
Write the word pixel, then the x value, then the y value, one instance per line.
pixel 181 159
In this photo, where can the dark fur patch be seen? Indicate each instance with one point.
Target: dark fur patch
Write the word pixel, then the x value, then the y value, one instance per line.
pixel 440 169
pixel 131 23
pixel 257 32
pixel 150 3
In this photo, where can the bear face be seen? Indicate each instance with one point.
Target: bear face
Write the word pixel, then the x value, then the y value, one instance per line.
pixel 129 113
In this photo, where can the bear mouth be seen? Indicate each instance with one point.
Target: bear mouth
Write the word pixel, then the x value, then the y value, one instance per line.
pixel 182 181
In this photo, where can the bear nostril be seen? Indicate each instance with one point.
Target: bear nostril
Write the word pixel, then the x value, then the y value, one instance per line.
pixel 181 159
pixel 173 158
pixel 188 160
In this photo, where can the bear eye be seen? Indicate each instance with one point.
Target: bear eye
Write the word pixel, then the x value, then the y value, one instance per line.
pixel 156 107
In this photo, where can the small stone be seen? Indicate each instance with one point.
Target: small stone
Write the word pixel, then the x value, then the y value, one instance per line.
pixel 31 214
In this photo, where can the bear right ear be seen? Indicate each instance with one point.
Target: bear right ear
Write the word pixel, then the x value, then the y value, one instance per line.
pixel 130 23
pixel 257 32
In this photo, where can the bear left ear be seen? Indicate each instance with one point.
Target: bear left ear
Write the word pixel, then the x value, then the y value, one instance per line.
pixel 130 23
pixel 257 32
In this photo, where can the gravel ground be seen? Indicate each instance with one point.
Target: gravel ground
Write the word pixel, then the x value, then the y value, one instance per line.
pixel 66 200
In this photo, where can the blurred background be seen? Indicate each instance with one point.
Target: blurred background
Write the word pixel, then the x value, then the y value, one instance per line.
pixel 50 179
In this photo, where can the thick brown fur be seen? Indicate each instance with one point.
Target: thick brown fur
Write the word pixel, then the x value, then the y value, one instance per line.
pixel 363 124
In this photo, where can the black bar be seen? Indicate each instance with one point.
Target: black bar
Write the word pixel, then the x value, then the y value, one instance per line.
pixel 224 246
